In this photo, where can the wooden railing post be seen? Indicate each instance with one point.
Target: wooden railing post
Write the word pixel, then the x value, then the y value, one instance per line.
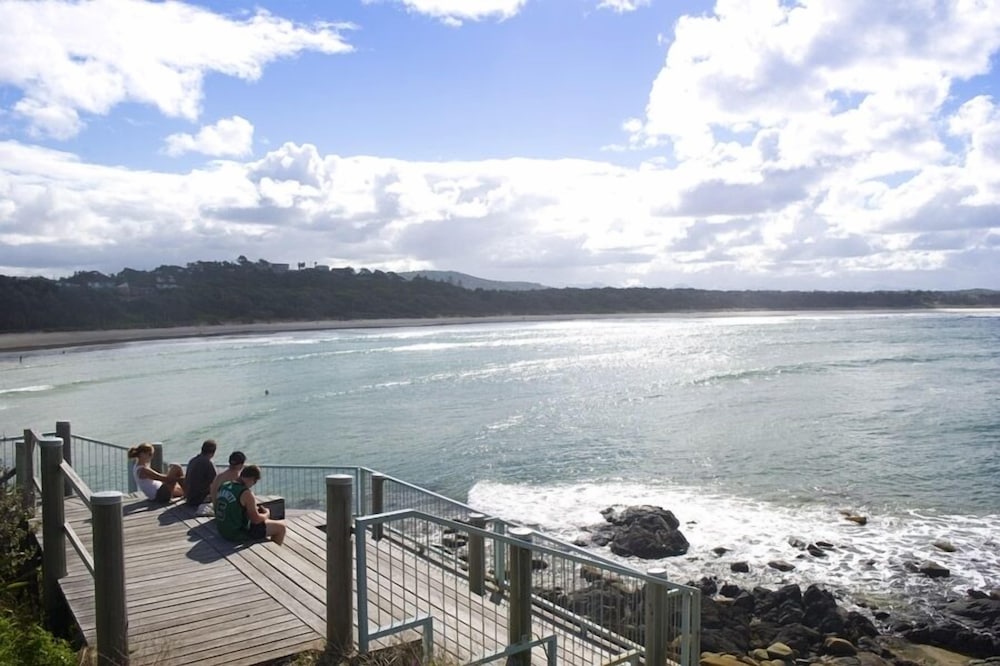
pixel 378 502
pixel 656 619
pixel 339 564
pixel 477 556
pixel 24 461
pixel 519 619
pixel 109 579
pixel 157 461
pixel 53 518
pixel 64 433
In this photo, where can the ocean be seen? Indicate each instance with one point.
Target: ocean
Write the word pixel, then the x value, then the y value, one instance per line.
pixel 755 429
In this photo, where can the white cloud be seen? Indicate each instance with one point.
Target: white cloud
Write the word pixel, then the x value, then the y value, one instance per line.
pixel 454 12
pixel 73 59
pixel 552 221
pixel 843 78
pixel 622 6
pixel 230 137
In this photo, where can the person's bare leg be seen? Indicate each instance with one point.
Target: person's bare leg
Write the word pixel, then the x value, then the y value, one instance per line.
pixel 276 530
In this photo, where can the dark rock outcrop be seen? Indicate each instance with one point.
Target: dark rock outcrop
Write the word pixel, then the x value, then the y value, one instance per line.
pixel 648 532
pixel 969 626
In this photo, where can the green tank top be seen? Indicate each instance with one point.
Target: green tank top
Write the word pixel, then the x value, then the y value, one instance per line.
pixel 230 516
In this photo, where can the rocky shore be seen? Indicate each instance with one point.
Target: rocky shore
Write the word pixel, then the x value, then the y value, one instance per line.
pixel 792 625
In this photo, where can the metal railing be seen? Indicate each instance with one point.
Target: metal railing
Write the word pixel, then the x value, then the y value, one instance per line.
pixel 8 448
pixel 590 611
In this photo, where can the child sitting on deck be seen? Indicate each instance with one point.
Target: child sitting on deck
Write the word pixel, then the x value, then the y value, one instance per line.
pixel 154 485
pixel 236 512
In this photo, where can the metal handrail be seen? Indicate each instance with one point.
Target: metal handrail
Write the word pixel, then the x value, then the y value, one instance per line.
pixel 583 626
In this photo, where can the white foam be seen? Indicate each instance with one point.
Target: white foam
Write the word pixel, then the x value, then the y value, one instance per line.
pixel 868 562
pixel 28 389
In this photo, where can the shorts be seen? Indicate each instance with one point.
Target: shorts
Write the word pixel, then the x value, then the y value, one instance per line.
pixel 257 531
pixel 165 492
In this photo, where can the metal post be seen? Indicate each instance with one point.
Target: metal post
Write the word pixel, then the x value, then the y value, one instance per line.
pixel 477 556
pixel 519 620
pixel 53 517
pixel 64 433
pixel 109 579
pixel 24 461
pixel 157 461
pixel 378 502
pixel 339 564
pixel 656 619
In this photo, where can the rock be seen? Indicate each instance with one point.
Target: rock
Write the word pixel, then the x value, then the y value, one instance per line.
pixel 745 601
pixel 820 611
pixel 730 590
pixel 872 659
pixel 724 627
pixel 858 627
pixel 957 636
pixel 799 637
pixel 825 545
pixel 634 513
pixel 976 594
pixel 716 659
pixel 796 543
pixel 760 654
pixel 860 520
pixel 781 565
pixel 780 651
pixel 720 551
pixel 815 550
pixel 933 569
pixel 739 567
pixel 945 545
pixel 707 585
pixel 648 532
pixel 781 607
pixel 838 647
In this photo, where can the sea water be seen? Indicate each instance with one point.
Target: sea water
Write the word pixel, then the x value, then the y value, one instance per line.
pixel 755 430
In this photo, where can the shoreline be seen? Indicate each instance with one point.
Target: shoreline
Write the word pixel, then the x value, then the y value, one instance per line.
pixel 50 340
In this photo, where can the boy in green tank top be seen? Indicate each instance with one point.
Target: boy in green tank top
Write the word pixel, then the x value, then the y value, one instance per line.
pixel 236 512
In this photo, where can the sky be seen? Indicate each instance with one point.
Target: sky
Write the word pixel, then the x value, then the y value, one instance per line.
pixel 727 144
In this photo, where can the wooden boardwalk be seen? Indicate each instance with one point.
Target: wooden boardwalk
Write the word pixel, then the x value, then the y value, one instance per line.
pixel 197 599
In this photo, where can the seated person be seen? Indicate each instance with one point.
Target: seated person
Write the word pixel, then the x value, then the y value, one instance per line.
pixel 200 474
pixel 236 512
pixel 154 485
pixel 231 473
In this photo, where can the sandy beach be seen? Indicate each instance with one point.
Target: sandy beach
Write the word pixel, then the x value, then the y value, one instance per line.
pixel 22 342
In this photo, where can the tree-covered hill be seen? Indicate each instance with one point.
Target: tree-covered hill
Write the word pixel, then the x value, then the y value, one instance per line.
pixel 244 291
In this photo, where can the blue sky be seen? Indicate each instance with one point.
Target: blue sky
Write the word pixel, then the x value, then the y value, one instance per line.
pixel 733 144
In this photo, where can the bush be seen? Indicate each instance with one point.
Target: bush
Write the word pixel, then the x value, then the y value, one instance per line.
pixel 23 642
pixel 19 555
pixel 30 645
